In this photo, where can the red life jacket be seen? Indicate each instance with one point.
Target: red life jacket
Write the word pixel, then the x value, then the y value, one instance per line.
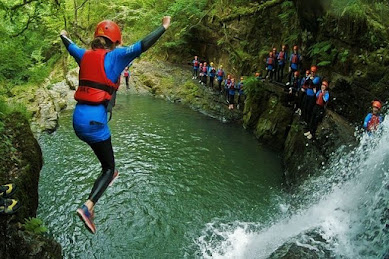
pixel 94 86
pixel 126 74
pixel 204 69
pixel 196 63
pixel 281 55
pixel 270 60
pixel 295 58
pixel 373 123
pixel 232 86
pixel 320 101
pixel 220 72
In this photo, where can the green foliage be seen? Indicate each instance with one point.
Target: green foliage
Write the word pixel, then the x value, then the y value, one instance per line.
pixel 35 225
pixel 253 87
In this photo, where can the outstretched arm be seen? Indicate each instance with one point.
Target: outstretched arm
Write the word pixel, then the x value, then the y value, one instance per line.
pixel 150 39
pixel 73 49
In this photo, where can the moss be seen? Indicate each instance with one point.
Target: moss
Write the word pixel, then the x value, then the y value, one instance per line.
pixel 20 163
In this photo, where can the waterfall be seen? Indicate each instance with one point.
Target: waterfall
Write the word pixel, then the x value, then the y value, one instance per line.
pixel 342 213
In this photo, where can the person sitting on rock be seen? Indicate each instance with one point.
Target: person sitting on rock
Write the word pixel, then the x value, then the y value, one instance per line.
pixel 212 74
pixel 100 69
pixel 281 58
pixel 8 206
pixel 295 60
pixel 373 119
pixel 196 64
pixel 322 98
pixel 270 65
pixel 220 77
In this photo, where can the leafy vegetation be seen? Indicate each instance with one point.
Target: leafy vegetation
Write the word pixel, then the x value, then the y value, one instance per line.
pixel 35 225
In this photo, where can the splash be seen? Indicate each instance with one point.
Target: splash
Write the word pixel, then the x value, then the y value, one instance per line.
pixel 342 213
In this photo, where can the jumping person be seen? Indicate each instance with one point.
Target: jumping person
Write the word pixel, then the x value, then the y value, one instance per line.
pixel 100 69
pixel 373 119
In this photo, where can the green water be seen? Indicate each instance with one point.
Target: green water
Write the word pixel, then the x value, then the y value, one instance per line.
pixel 179 171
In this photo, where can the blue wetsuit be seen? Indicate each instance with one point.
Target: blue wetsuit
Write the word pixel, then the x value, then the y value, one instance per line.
pixel 90 122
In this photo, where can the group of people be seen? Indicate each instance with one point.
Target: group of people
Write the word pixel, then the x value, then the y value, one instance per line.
pixel 276 62
pixel 226 85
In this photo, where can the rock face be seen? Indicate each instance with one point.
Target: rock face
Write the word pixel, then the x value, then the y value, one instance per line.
pixel 20 163
pixel 50 100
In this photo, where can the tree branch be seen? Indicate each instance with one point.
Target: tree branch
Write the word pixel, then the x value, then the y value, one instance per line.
pixel 13 8
pixel 259 8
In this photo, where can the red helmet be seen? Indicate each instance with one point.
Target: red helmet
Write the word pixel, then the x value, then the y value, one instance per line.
pixel 314 69
pixel 295 47
pixel 109 30
pixel 325 83
pixel 377 104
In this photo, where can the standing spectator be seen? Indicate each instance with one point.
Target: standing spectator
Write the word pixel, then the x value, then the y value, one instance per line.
pixel 322 98
pixel 205 74
pixel 240 92
pixel 220 77
pixel 295 60
pixel 373 119
pixel 227 83
pixel 212 74
pixel 126 75
pixel 196 65
pixel 270 64
pixel 231 94
pixel 275 69
pixel 282 57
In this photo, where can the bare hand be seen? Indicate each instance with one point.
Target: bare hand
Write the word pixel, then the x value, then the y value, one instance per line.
pixel 64 33
pixel 166 22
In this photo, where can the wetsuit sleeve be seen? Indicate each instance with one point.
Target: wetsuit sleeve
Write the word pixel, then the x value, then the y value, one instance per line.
pixel 326 97
pixel 367 119
pixel 75 51
pixel 150 39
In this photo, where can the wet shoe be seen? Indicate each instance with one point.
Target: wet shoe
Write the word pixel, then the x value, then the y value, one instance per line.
pixel 86 216
pixel 114 177
pixel 307 133
pixel 9 206
pixel 7 190
pixel 309 136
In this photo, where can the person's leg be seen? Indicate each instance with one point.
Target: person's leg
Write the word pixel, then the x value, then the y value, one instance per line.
pixel 104 153
pixel 127 85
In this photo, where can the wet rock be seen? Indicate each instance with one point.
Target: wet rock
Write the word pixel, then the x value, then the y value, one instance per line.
pixel 20 164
